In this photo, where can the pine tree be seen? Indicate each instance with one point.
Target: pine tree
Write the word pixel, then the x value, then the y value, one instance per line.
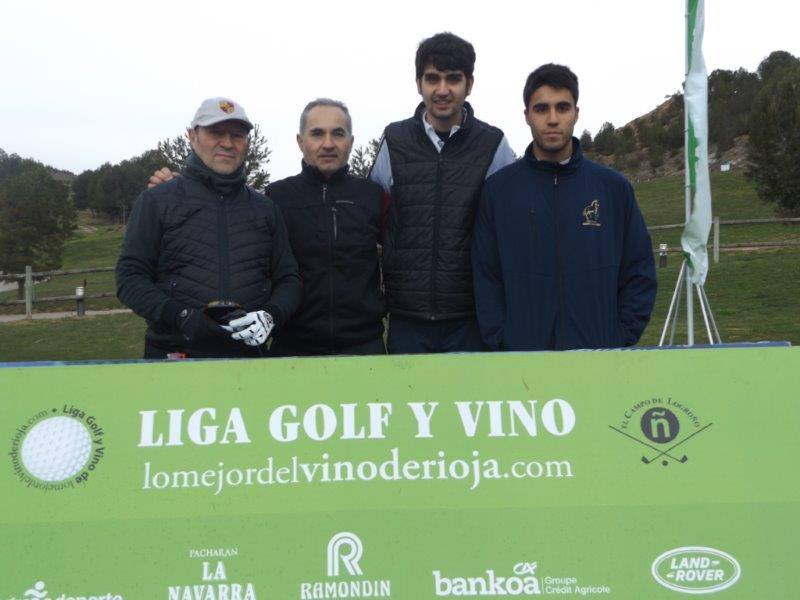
pixel 774 145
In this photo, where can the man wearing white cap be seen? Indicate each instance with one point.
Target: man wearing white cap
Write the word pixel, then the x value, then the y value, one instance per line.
pixel 207 240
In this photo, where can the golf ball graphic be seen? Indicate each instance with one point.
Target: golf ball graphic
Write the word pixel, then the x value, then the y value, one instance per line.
pixel 56 448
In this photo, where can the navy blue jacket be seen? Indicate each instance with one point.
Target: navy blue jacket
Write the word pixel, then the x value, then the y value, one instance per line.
pixel 561 257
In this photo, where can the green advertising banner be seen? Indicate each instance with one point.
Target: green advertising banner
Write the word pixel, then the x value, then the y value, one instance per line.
pixel 621 474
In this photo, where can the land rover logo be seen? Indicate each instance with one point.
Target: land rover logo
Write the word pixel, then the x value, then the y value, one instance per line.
pixel 696 570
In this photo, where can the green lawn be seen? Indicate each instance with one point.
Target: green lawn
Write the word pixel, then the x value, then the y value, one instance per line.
pixel 73 338
pixel 733 196
pixel 754 295
pixel 99 248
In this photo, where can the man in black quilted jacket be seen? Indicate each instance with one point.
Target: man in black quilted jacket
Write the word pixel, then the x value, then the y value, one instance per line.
pixel 206 237
pixel 433 165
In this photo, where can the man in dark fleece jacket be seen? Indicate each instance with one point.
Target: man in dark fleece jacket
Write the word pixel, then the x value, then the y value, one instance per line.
pixel 334 220
pixel 206 237
pixel 561 255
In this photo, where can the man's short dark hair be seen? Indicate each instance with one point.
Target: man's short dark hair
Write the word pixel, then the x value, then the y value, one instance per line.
pixel 325 102
pixel 446 52
pixel 556 76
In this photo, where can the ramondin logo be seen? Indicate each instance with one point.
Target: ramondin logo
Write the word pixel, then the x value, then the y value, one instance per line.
pixel 524 582
pixel 343 555
pixel 662 425
pixel 696 570
pixel 55 450
pixel 39 592
pixel 350 559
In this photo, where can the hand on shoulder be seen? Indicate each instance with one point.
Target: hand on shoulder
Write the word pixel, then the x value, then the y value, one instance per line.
pixel 161 176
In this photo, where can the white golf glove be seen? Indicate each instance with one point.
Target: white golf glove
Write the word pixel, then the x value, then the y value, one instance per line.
pixel 253 329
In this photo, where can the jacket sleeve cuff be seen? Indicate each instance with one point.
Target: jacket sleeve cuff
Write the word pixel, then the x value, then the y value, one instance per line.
pixel 169 314
pixel 276 313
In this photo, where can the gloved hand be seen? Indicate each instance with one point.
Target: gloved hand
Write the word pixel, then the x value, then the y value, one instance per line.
pixel 253 329
pixel 194 325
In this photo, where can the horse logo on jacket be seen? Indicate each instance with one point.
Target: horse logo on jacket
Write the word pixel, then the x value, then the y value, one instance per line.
pixel 591 214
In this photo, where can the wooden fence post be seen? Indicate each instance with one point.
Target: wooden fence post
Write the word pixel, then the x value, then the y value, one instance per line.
pixel 28 292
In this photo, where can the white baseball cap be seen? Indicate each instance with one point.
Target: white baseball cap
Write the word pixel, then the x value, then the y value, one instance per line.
pixel 216 110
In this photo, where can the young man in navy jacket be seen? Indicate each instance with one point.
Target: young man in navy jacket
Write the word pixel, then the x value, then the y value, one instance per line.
pixel 561 255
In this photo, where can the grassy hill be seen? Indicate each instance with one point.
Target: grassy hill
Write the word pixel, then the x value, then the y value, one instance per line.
pixel 93 245
pixel 754 295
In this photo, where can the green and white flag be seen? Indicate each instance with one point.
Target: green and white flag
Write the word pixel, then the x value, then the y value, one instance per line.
pixel 695 233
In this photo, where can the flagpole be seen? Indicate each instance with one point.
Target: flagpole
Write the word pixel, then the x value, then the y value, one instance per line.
pixel 687 189
pixel 697 186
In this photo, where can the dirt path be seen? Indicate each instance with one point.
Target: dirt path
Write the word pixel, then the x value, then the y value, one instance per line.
pixel 62 315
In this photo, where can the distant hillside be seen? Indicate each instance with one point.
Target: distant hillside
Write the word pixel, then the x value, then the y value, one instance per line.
pixel 651 146
pixel 11 163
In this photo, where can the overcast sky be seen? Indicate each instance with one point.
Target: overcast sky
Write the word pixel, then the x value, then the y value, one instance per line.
pixel 88 82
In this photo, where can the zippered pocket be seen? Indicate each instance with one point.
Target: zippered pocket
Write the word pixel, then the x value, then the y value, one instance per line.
pixel 532 221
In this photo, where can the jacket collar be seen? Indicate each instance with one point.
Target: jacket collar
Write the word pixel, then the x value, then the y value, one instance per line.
pixel 314 175
pixel 552 167
pixel 224 185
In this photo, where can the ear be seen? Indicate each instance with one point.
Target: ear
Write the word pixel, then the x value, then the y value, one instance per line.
pixel 470 81
pixel 577 113
pixel 527 116
pixel 419 86
pixel 300 142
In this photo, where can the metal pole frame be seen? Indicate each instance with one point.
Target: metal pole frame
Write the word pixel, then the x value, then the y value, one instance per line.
pixel 28 292
pixel 704 300
pixel 705 313
pixel 674 308
pixel 673 314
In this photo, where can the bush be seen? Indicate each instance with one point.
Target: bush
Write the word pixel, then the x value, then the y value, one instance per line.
pixel 774 145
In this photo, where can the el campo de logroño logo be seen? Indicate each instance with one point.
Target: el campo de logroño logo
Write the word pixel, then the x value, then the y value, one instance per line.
pixel 661 428
pixel 57 449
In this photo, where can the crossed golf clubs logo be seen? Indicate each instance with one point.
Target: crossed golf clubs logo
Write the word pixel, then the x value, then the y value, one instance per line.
pixel 660 425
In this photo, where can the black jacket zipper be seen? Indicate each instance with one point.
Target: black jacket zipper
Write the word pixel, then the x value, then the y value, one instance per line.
pixel 331 271
pixel 434 255
pixel 560 275
pixel 222 236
